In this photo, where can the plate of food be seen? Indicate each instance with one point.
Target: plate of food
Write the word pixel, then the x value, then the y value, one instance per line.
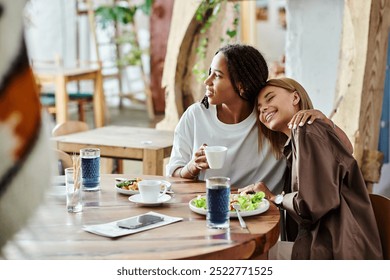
pixel 130 186
pixel 251 204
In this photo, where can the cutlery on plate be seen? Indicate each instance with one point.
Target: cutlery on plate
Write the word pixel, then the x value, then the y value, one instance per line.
pixel 237 207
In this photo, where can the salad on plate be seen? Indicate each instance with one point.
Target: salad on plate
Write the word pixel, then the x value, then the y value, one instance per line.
pixel 250 204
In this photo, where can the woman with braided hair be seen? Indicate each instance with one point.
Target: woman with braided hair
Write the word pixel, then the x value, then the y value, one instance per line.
pixel 227 117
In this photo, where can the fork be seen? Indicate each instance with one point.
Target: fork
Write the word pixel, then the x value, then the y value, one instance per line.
pixel 237 207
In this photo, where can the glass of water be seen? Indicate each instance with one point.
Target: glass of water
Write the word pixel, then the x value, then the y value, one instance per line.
pixel 90 169
pixel 73 191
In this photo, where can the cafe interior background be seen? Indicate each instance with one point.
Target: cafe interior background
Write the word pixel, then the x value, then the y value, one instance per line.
pixel 307 33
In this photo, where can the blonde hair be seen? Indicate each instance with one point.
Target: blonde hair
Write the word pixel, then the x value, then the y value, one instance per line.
pixel 277 139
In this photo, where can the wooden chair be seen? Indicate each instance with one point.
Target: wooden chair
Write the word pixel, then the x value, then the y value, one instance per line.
pixel 381 206
pixel 69 127
pixel 64 161
pixel 47 97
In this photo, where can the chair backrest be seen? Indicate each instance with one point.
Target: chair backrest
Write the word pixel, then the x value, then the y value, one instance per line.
pixel 69 127
pixel 64 161
pixel 381 206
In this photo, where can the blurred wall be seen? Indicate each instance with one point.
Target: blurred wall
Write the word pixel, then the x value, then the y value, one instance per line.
pixel 312 47
pixel 270 34
pixel 50 29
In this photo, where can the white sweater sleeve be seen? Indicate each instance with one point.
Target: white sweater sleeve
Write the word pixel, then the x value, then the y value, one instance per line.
pixel 182 144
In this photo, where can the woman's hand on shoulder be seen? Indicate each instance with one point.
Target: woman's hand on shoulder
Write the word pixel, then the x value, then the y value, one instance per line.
pixel 307 116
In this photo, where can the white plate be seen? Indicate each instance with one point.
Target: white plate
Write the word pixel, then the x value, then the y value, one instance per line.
pixel 263 206
pixel 130 192
pixel 137 199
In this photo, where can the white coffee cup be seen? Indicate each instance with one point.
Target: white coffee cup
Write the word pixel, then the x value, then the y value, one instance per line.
pixel 150 190
pixel 216 156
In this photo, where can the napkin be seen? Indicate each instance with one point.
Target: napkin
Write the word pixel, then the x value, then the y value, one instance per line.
pixel 112 230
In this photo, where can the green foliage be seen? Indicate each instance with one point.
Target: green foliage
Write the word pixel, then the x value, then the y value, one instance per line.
pixel 109 15
pixel 207 14
pixel 133 57
pixel 233 33
pixel 146 7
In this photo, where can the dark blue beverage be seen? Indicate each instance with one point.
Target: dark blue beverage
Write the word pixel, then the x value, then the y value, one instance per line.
pixel 218 200
pixel 90 167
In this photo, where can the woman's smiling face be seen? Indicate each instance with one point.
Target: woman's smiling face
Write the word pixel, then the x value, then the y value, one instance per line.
pixel 276 107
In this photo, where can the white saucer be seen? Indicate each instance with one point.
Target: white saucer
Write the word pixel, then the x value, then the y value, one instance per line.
pixel 137 199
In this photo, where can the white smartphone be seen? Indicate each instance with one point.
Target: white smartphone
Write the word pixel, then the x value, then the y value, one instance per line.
pixel 140 221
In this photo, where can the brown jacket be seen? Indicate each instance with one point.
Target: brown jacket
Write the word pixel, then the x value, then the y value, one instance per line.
pixel 328 198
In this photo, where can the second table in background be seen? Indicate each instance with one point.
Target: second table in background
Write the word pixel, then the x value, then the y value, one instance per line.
pixel 149 145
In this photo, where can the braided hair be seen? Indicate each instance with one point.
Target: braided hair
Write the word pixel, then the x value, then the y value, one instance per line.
pixel 247 68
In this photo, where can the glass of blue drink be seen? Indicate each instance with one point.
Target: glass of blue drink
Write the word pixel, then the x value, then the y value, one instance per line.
pixel 218 202
pixel 90 169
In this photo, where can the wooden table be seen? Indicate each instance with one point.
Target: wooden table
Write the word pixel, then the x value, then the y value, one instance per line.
pixel 134 143
pixel 61 76
pixel 53 233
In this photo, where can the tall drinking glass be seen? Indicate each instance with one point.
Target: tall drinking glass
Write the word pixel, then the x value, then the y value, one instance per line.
pixel 90 169
pixel 218 202
pixel 73 191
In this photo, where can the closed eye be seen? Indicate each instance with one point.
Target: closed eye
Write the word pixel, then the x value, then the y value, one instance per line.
pixel 270 98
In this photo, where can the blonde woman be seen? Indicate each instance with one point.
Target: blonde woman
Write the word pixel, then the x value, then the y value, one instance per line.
pixel 326 196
